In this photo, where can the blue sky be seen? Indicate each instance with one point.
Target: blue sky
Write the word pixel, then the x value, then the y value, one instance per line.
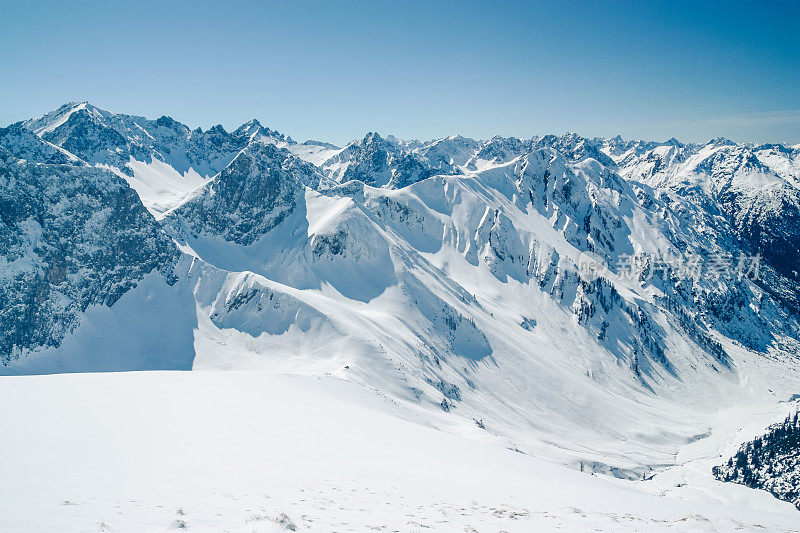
pixel 335 70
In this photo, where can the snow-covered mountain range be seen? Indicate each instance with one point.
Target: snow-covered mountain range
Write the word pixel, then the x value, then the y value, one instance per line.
pixel 448 277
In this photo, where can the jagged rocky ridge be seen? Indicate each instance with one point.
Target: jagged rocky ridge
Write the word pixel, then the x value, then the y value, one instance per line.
pixel 448 273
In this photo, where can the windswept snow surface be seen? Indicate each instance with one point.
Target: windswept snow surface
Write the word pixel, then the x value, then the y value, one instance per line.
pixel 245 452
pixel 160 186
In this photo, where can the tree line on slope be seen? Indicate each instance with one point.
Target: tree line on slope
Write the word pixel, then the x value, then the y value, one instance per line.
pixel 770 462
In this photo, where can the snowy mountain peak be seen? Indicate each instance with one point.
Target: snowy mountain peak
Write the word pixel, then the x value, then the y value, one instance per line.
pixel 253 128
pixel 374 137
pixel 218 130
pixel 52 120
pixel 720 141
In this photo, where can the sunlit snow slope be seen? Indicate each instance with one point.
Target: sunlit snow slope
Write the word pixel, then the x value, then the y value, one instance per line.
pixel 245 452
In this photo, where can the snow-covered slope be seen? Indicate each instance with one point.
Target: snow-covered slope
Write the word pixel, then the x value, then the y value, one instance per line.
pixel 248 452
pixel 448 278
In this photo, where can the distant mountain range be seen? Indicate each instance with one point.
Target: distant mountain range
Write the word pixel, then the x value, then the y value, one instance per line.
pixel 448 274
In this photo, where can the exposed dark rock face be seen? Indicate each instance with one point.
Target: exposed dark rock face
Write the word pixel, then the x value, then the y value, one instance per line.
pixel 255 193
pixel 90 139
pixel 769 224
pixel 25 145
pixel 70 237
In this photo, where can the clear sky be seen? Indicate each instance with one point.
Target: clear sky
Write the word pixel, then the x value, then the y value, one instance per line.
pixel 336 70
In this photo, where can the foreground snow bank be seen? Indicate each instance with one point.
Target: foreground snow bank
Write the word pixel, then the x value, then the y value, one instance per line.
pixel 217 451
